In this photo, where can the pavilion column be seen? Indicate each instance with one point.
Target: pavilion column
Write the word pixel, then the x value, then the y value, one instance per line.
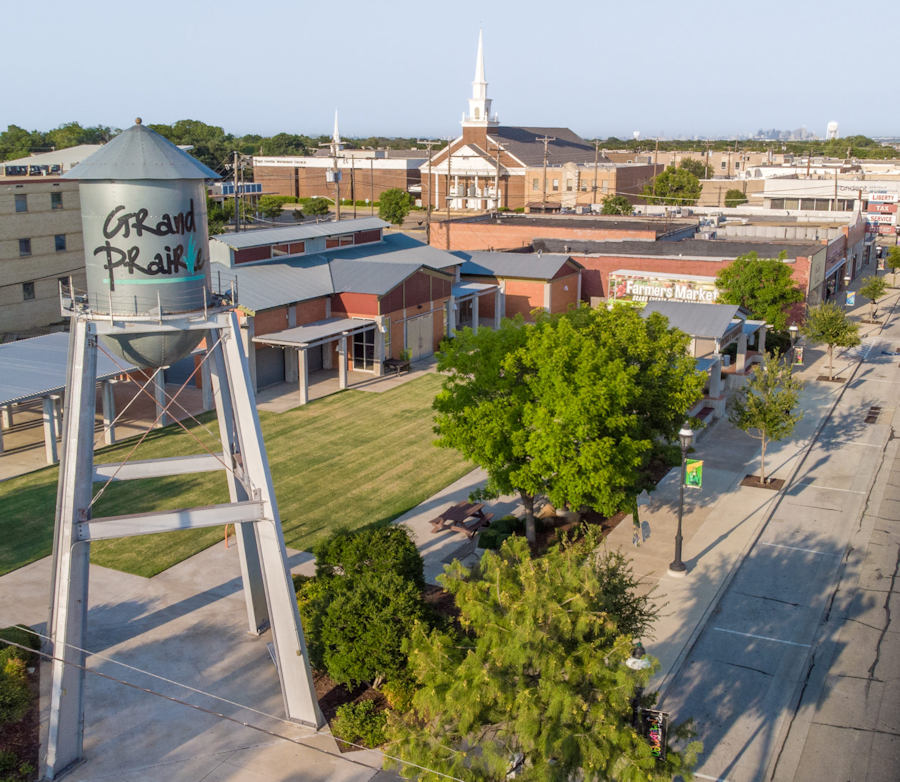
pixel 499 307
pixel 475 314
pixel 379 351
pixel 547 296
pixel 342 362
pixel 57 415
pixel 761 339
pixel 451 316
pixel 108 403
pixel 206 383
pixel 742 353
pixel 6 417
pixel 159 394
pixel 49 431
pixel 303 375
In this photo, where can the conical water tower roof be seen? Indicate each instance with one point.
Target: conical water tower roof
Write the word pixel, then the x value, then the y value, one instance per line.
pixel 140 153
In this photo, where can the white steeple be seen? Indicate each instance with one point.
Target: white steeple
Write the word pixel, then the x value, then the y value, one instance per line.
pixel 335 136
pixel 479 104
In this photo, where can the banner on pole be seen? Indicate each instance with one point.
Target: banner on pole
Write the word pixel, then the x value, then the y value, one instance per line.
pixel 693 473
pixel 851 298
pixel 798 355
pixel 655 728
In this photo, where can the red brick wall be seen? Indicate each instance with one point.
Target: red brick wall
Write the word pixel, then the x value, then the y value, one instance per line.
pixel 485 236
pixel 349 305
pixel 311 311
pixel 564 293
pixel 269 321
pixel 310 182
pixel 522 296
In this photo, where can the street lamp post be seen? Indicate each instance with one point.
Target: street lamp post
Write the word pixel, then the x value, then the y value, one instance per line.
pixel 847 280
pixel 685 437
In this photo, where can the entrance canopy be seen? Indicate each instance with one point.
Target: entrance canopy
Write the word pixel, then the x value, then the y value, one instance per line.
pixel 318 333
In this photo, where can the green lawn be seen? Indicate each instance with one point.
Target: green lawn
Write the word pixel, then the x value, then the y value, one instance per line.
pixel 346 461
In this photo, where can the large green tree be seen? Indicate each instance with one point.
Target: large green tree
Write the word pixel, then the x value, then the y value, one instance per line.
pixel 210 144
pixel 569 407
pixel 762 286
pixel 765 408
pixel 394 204
pixel 892 262
pixel 675 186
pixel 617 205
pixel 535 678
pixel 829 324
pixel 735 197
pixel 697 167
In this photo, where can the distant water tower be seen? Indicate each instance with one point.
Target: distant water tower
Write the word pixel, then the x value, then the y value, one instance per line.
pixel 831 132
pixel 149 301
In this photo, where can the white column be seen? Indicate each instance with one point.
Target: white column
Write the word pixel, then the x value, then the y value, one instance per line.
pixel 451 316
pixel 206 381
pixel 6 417
pixel 49 417
pixel 57 415
pixel 761 339
pixel 342 362
pixel 498 308
pixel 579 287
pixel 109 411
pixel 248 332
pixel 303 375
pixel 159 394
pixel 475 313
pixel 547 298
pixel 742 353
pixel 379 351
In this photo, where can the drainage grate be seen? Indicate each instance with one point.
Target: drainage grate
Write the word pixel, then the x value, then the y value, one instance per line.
pixel 872 415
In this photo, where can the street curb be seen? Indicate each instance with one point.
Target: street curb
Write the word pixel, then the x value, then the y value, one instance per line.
pixel 713 605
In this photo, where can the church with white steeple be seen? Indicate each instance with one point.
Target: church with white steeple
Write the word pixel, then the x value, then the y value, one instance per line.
pixel 492 166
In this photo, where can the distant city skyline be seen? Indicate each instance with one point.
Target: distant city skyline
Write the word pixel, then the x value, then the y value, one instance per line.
pixel 689 70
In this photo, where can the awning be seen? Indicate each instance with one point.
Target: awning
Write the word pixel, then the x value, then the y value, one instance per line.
pixel 752 326
pixel 318 333
pixel 467 290
pixel 834 268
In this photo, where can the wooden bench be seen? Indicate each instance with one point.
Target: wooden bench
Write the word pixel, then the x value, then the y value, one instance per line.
pixel 396 365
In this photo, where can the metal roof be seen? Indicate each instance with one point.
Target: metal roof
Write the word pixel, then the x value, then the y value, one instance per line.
pixel 398 248
pixel 465 289
pixel 273 284
pixel 295 233
pixel 66 157
pixel 378 277
pixel 524 143
pixel 710 321
pixel 312 333
pixel 32 368
pixel 701 249
pixel 533 266
pixel 140 153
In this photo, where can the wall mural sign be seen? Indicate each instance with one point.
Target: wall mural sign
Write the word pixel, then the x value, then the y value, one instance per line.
pixel 624 286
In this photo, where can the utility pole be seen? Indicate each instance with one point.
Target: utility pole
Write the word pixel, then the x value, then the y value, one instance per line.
pixel 834 203
pixel 429 143
pixel 655 164
pixel 546 140
pixel 707 172
pixel 352 187
pixel 500 148
pixel 372 183
pixel 237 192
pixel 596 166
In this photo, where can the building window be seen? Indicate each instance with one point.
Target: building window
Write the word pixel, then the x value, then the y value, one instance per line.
pixel 24 247
pixel 21 202
pixel 28 291
pixel 555 184
pixel 724 164
pixel 56 201
pixel 535 184
pixel 364 350
pixel 568 185
pixel 60 240
pixel 737 166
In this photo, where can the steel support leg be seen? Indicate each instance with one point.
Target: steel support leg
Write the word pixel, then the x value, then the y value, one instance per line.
pixel 297 686
pixel 70 577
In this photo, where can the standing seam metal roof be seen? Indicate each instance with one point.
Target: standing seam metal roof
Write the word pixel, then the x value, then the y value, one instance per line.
pixel 296 233
pixel 694 319
pixel 543 266
pixel 140 153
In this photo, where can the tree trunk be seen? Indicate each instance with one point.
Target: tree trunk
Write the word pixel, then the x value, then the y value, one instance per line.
pixel 528 502
pixel 762 462
pixel 874 309
pixel 830 369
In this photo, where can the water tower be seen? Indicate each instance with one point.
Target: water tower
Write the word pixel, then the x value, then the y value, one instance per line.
pixel 831 132
pixel 149 301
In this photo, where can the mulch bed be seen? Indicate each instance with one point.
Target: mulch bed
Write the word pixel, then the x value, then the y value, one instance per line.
pixel 753 480
pixel 23 737
pixel 826 379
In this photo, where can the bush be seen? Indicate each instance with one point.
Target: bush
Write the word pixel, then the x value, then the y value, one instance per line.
pixel 20 634
pixel 735 197
pixel 394 205
pixel 492 537
pixel 360 723
pixel 386 549
pixel 15 695
pixel 399 693
pixel 316 207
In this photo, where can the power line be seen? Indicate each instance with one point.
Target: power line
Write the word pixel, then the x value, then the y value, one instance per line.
pixel 210 712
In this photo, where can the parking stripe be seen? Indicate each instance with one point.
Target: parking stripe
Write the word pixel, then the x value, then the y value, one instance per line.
pixel 798 548
pixel 760 637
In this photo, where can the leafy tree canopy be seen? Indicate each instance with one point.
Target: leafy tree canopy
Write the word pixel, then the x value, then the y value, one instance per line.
pixel 829 324
pixel 394 205
pixel 764 408
pixel 697 167
pixel 535 677
pixel 735 197
pixel 676 186
pixel 569 407
pixel 316 207
pixel 617 205
pixel 762 286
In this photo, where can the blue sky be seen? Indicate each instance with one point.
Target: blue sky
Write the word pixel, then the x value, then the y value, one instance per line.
pixel 402 68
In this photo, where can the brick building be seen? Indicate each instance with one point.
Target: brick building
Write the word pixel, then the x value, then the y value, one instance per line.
pixel 511 231
pixel 493 166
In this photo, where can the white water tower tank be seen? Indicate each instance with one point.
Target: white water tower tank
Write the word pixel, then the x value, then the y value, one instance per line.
pixel 831 132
